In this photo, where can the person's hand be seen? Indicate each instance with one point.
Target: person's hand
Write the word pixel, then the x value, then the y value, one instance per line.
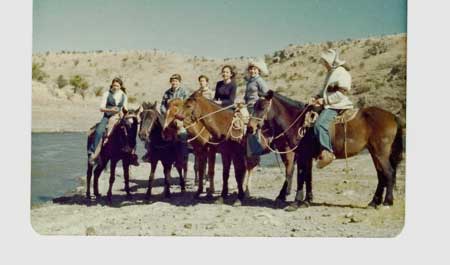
pixel 312 100
pixel 115 109
pixel 218 102
pixel 319 102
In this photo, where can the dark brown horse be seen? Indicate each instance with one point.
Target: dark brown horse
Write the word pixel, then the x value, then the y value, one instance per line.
pixel 204 150
pixel 160 149
pixel 373 128
pixel 217 121
pixel 121 142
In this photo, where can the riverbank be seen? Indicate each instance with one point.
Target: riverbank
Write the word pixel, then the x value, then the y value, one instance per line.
pixel 339 209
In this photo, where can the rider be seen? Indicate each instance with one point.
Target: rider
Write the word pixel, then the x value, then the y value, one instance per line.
pixel 175 91
pixel 333 99
pixel 203 81
pixel 226 89
pixel 256 86
pixel 113 105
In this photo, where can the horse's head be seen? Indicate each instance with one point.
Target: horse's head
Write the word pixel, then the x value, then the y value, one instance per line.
pixel 260 113
pixel 148 116
pixel 183 110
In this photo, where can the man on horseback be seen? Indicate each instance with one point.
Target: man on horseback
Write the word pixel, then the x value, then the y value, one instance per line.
pixel 332 97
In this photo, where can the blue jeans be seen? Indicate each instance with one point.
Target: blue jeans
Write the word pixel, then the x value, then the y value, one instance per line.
pixel 321 128
pixel 99 131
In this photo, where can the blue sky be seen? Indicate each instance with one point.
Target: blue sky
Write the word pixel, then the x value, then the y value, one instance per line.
pixel 213 28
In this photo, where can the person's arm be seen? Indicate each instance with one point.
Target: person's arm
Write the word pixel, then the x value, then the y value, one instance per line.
pixel 262 87
pixel 216 95
pixel 125 103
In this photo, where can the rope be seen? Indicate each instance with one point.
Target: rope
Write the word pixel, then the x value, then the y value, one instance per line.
pixel 293 123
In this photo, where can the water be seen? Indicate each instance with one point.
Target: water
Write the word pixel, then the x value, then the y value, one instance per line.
pixel 58 160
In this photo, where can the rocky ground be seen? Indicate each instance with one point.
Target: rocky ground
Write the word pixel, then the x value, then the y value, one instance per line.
pixel 339 208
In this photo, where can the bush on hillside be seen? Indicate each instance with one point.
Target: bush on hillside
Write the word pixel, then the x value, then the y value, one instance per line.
pixel 37 73
pixel 61 81
pixel 79 85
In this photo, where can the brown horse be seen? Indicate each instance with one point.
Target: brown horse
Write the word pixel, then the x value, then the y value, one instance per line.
pixel 218 122
pixel 121 142
pixel 373 128
pixel 160 149
pixel 204 150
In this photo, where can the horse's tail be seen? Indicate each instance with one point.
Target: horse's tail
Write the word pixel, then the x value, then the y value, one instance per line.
pixel 397 148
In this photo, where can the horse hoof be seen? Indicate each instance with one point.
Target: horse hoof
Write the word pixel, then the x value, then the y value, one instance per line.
pixel 129 197
pixel 304 204
pixel 280 203
pixel 237 203
pixel 292 207
pixel 167 195
pixel 209 196
pixel 219 201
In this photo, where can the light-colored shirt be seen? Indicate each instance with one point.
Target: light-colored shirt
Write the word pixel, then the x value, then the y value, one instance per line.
pixel 117 98
pixel 256 87
pixel 338 77
pixel 206 92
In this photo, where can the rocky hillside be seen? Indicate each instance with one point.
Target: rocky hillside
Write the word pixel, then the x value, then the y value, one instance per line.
pixel 67 85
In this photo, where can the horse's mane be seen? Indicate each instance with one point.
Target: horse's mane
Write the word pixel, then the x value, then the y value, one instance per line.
pixel 288 101
pixel 197 94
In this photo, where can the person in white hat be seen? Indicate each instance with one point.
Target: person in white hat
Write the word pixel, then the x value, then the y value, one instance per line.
pixel 256 86
pixel 332 97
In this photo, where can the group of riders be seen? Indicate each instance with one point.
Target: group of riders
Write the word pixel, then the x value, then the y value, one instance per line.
pixel 331 97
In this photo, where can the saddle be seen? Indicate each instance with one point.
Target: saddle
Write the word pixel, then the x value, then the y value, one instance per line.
pixel 346 115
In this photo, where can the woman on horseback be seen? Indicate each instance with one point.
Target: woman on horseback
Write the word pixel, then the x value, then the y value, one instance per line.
pixel 113 106
pixel 226 89
pixel 332 97
pixel 256 86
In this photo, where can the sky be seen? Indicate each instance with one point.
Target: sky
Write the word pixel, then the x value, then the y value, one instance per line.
pixel 215 28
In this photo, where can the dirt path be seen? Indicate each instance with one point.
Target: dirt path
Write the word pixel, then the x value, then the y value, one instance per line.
pixel 339 209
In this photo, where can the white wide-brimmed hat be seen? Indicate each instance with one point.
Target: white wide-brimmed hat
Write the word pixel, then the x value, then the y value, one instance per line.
pixel 260 64
pixel 332 58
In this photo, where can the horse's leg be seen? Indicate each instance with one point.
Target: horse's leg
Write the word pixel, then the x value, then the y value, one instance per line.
pixel 196 169
pixel 151 177
pixel 180 170
pixel 288 161
pixel 378 196
pixel 211 163
pixel 88 180
pixel 301 178
pixel 308 180
pixel 226 161
pixel 97 172
pixel 239 173
pixel 126 176
pixel 385 172
pixel 167 168
pixel 112 177
pixel 200 157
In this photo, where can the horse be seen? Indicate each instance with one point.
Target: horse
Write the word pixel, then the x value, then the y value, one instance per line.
pixel 204 150
pixel 373 128
pixel 199 111
pixel 160 148
pixel 119 147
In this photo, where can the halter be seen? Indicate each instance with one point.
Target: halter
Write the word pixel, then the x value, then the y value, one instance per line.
pixel 310 118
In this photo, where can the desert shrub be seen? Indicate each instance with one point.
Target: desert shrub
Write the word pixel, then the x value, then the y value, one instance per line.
pixel 79 85
pixel 76 62
pixel 280 89
pixel 61 81
pixel 361 65
pixel 125 59
pixel 136 83
pixel 283 76
pixel 321 73
pixel 132 99
pixel 98 91
pixel 37 73
pixel 376 48
pixel 329 44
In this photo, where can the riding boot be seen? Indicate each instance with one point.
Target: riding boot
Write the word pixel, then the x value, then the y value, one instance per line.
pixel 134 159
pixel 325 158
